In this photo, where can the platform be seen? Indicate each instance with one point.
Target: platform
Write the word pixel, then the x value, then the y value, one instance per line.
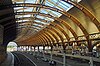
pixel 9 61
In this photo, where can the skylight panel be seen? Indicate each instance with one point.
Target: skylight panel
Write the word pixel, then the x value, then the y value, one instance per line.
pixel 49 19
pixel 38 21
pixel 30 1
pixel 66 4
pixel 46 18
pixel 29 9
pixel 57 14
pixel 38 25
pixel 49 4
pixel 22 20
pixel 19 2
pixel 43 11
pixel 18 8
pixel 38 16
pixel 55 1
pixel 27 15
pixel 63 6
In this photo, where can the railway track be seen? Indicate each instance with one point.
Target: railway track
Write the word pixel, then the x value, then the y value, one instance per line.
pixel 22 60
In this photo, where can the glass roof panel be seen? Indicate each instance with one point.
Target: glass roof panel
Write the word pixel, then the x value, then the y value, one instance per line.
pixel 37 25
pixel 19 16
pixel 30 1
pixel 38 21
pixel 29 9
pixel 45 18
pixel 22 20
pixel 48 3
pixel 66 4
pixel 27 15
pixel 59 4
pixel 42 17
pixel 43 11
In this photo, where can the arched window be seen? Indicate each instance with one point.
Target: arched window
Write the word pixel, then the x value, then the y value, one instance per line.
pixel 12 46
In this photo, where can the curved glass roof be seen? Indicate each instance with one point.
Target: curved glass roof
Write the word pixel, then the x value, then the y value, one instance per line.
pixel 38 21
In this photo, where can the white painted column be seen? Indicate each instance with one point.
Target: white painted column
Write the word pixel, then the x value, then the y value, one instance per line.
pixel 91 59
pixel 51 56
pixel 18 48
pixel 34 51
pixel 64 59
pixel 43 51
pixel 38 51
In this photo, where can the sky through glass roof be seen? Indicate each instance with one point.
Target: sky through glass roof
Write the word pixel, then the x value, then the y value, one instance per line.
pixel 59 4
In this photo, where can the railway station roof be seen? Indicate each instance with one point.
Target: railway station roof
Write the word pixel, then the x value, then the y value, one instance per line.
pixel 51 22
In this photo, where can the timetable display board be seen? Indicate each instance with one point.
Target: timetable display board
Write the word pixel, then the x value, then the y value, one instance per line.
pixel 1 34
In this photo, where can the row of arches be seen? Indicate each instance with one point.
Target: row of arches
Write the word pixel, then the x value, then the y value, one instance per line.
pixel 56 32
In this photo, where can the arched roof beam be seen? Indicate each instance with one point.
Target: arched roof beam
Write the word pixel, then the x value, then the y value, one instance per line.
pixel 57 32
pixel 46 41
pixel 70 17
pixel 86 11
pixel 66 25
pixel 51 33
pixel 75 20
pixel 49 39
pixel 37 39
pixel 31 18
pixel 46 38
pixel 48 35
pixel 79 6
pixel 61 29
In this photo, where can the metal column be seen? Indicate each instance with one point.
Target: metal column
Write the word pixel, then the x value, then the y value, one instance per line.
pixel 43 51
pixel 64 59
pixel 34 51
pixel 64 54
pixel 91 59
pixel 51 56
pixel 38 51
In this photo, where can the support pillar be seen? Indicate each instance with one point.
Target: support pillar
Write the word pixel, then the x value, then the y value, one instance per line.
pixel 31 48
pixel 18 48
pixel 34 51
pixel 91 59
pixel 38 51
pixel 51 56
pixel 64 59
pixel 28 48
pixel 64 55
pixel 24 48
pixel 90 48
pixel 43 52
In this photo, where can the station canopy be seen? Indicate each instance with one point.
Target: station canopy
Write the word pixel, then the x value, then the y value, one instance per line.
pixel 29 15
